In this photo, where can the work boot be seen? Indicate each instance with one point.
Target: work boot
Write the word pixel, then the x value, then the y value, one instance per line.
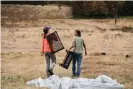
pixel 51 72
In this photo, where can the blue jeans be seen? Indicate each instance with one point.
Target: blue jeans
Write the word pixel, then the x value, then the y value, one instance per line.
pixel 77 57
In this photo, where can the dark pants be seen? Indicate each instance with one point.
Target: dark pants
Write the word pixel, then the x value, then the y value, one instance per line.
pixel 77 57
pixel 49 57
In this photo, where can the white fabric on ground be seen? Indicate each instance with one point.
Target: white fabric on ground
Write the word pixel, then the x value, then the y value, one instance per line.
pixel 54 82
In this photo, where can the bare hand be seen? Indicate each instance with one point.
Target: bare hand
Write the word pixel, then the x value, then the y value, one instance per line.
pixel 42 53
pixel 67 50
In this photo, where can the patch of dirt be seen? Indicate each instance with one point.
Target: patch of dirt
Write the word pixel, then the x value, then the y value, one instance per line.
pixel 21 45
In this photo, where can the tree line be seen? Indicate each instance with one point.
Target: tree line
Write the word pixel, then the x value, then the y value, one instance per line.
pixel 90 9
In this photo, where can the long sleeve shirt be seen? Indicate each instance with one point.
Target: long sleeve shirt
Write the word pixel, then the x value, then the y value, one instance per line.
pixel 45 45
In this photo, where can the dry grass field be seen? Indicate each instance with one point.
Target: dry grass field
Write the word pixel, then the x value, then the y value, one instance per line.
pixel 21 45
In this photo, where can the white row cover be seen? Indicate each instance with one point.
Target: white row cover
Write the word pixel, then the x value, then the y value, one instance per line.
pixel 54 82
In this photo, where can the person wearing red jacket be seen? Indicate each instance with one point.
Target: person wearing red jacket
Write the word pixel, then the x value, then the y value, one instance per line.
pixel 47 52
